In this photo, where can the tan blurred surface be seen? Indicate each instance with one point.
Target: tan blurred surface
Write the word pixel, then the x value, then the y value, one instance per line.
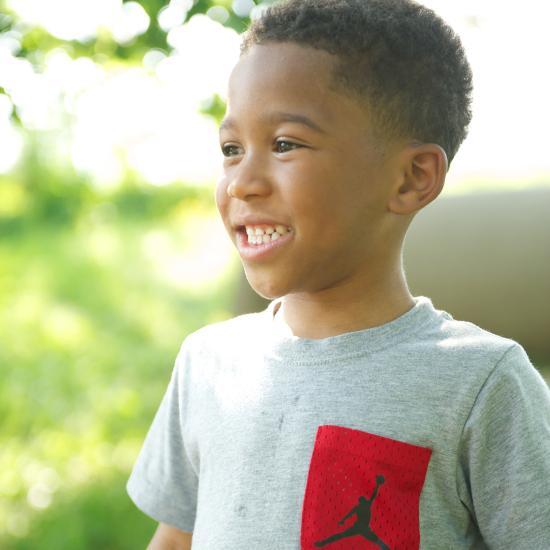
pixel 485 258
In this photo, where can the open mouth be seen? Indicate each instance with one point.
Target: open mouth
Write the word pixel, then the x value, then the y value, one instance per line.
pixel 259 244
pixel 260 235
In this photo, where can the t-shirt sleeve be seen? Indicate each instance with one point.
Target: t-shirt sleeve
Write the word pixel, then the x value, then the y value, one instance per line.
pixel 163 483
pixel 504 457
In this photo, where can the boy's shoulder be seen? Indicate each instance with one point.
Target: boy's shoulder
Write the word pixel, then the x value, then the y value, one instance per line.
pixel 462 334
pixel 467 349
pixel 230 326
pixel 219 335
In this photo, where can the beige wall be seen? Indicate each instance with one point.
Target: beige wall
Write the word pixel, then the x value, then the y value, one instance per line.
pixel 485 258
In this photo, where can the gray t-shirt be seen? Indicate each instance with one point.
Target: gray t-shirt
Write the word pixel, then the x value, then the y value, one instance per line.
pixel 425 432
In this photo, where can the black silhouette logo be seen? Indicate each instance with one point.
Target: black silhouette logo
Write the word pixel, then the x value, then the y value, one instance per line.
pixel 362 525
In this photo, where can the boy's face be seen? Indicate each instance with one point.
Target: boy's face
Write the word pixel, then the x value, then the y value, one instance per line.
pixel 317 171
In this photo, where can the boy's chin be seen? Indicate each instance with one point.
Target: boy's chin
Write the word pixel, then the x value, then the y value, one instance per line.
pixel 267 295
pixel 266 288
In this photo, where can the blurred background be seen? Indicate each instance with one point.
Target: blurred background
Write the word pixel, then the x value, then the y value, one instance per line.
pixel 111 250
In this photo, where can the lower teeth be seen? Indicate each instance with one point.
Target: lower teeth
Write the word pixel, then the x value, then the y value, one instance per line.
pixel 259 239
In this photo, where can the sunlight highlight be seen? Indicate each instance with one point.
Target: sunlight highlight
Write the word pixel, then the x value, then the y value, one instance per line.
pixel 82 20
pixel 508 138
pixel 144 119
pixel 193 258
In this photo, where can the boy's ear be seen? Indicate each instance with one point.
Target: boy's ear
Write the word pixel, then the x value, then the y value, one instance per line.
pixel 423 170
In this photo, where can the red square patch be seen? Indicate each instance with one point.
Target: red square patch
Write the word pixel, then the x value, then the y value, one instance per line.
pixel 363 491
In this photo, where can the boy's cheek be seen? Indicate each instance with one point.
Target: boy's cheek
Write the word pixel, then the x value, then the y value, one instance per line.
pixel 221 197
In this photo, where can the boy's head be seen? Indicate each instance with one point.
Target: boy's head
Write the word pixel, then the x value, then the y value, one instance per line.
pixel 338 117
pixel 398 57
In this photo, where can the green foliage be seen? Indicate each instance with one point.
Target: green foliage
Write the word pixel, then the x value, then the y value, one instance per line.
pixel 214 107
pixel 36 39
pixel 234 21
pixel 90 323
pixel 96 515
pixel 89 330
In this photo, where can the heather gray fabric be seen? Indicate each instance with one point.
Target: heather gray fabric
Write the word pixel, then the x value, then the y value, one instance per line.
pixel 229 450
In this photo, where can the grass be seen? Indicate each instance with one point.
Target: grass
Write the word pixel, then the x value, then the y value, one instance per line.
pixel 92 315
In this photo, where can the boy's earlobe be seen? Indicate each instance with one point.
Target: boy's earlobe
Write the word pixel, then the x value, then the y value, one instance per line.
pixel 424 170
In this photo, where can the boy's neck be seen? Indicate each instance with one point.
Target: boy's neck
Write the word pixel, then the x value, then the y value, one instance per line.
pixel 345 309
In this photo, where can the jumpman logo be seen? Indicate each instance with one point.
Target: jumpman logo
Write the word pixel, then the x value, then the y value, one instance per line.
pixel 362 525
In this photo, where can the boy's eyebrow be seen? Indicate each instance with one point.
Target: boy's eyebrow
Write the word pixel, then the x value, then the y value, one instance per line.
pixel 279 116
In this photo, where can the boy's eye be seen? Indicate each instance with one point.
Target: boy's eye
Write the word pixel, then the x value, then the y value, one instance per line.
pixel 230 150
pixel 282 145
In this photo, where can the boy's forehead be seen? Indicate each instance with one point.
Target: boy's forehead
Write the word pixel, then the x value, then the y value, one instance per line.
pixel 285 61
pixel 282 76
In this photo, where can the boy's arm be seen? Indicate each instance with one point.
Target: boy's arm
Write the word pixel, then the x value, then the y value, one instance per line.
pixel 504 478
pixel 164 481
pixel 169 538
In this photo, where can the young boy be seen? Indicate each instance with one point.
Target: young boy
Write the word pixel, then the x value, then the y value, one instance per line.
pixel 348 413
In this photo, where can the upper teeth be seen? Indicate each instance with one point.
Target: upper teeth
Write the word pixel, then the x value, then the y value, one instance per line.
pixel 258 235
pixel 268 230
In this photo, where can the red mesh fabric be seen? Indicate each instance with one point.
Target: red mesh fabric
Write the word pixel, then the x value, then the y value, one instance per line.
pixel 376 481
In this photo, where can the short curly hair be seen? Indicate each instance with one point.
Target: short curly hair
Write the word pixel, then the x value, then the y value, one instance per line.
pixel 397 56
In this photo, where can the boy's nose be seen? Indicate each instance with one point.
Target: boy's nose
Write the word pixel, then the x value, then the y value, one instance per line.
pixel 249 179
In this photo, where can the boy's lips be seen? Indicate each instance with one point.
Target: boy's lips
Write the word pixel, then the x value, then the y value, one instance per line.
pixel 262 251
